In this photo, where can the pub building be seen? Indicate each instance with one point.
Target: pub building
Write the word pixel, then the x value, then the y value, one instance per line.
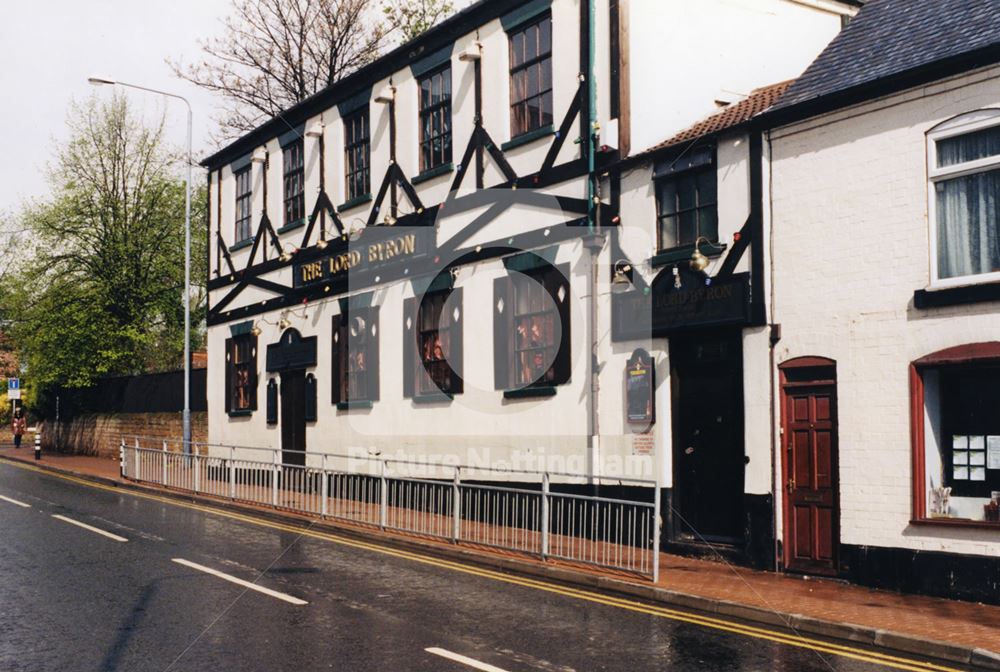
pixel 519 239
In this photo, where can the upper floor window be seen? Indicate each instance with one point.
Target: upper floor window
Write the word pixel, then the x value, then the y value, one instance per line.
pixel 294 174
pixel 357 154
pixel 531 77
pixel 964 171
pixel 432 352
pixel 532 328
pixel 435 119
pixel 243 193
pixel 241 374
pixel 355 356
pixel 687 203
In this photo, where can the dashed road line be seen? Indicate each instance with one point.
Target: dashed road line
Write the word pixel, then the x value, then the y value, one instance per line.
pixel 88 527
pixel 14 501
pixel 464 660
pixel 240 582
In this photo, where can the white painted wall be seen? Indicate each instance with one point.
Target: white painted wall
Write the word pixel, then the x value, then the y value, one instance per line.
pixel 685 55
pixel 850 248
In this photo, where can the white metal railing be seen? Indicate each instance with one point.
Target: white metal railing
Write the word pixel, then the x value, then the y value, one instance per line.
pixel 461 504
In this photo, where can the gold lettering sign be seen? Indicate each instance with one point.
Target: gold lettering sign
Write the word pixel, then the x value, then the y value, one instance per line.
pixel 376 254
pixel 312 271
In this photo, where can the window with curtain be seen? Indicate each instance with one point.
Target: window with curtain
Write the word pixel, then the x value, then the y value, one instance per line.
pixel 965 198
pixel 531 77
pixel 241 374
pixel 355 356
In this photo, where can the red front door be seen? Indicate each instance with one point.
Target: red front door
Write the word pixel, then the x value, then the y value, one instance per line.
pixel 810 469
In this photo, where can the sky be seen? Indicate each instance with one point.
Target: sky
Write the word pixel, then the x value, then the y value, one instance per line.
pixel 49 49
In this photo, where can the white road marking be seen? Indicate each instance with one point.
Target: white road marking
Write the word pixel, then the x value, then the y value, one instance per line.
pixel 240 582
pixel 89 527
pixel 471 662
pixel 14 501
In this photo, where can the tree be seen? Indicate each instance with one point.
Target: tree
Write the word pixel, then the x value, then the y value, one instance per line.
pixel 412 17
pixel 101 292
pixel 275 53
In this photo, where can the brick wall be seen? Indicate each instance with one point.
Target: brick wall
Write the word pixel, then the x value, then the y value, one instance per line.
pixel 99 434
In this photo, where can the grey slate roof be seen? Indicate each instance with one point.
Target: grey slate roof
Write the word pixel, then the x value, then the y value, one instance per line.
pixel 890 38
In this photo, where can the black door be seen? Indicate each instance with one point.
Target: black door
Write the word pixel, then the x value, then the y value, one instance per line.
pixel 707 389
pixel 293 417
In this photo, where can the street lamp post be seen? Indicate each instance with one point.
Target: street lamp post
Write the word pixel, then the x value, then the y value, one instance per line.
pixel 186 417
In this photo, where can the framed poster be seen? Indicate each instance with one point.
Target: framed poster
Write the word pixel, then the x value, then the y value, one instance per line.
pixel 639 387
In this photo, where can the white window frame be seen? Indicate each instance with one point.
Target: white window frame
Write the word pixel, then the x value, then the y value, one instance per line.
pixel 960 125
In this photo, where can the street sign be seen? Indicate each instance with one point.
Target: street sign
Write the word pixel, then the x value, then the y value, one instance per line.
pixel 13 388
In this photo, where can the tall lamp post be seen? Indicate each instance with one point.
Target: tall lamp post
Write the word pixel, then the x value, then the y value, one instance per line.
pixel 186 417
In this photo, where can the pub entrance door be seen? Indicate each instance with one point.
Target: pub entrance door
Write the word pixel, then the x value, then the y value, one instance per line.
pixel 293 417
pixel 706 371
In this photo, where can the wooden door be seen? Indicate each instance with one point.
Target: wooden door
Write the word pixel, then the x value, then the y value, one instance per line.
pixel 293 417
pixel 810 471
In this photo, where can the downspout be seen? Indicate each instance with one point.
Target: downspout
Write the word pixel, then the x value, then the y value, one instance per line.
pixel 594 241
pixel 773 337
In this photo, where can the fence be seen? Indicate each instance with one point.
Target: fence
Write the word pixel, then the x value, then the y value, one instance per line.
pixel 461 504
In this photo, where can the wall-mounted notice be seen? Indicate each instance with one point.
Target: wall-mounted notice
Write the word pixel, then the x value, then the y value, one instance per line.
pixel 993 452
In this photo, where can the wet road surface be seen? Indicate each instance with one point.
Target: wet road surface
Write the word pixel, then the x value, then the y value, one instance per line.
pixel 123 582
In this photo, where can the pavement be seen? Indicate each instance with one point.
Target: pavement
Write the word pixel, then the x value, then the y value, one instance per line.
pixel 963 633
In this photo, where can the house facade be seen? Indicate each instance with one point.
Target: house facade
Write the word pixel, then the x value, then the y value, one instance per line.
pixel 479 249
pixel 886 262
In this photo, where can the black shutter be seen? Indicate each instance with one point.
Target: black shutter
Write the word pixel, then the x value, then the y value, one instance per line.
pixel 310 400
pixel 272 402
pixel 337 349
pixel 502 325
pixel 253 373
pixel 229 375
pixel 455 359
pixel 374 331
pixel 410 329
pixel 557 282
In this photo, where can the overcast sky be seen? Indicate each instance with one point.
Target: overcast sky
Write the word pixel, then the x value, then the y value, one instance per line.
pixel 49 48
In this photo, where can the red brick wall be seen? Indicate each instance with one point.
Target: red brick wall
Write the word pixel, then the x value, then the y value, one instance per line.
pixel 93 434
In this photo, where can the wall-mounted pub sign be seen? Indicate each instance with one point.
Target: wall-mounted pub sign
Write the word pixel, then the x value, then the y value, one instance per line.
pixel 667 307
pixel 640 384
pixel 377 247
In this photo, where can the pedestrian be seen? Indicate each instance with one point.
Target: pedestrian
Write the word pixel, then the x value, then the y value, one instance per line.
pixel 19 425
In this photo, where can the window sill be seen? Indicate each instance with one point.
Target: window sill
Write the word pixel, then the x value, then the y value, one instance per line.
pixel 291 226
pixel 434 398
pixel 431 173
pixel 242 413
pixel 530 392
pixel 684 252
pixel 956 522
pixel 529 137
pixel 956 296
pixel 354 202
pixel 354 405
pixel 246 242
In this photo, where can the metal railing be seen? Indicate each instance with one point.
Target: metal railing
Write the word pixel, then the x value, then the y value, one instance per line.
pixel 459 503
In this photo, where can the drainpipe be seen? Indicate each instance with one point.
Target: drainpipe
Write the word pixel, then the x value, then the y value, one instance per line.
pixel 594 241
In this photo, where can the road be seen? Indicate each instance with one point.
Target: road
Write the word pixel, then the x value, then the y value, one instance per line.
pixel 151 584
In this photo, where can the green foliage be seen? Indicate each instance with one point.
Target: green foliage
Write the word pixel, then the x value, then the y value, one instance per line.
pixel 100 292
pixel 412 17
